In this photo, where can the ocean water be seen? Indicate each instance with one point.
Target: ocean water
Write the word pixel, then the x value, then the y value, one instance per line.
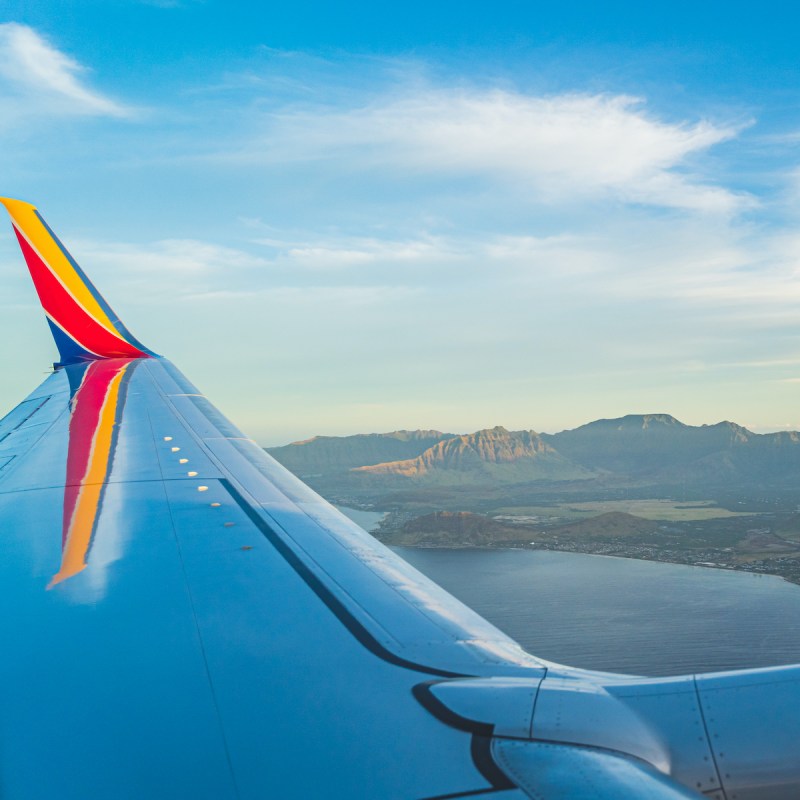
pixel 623 615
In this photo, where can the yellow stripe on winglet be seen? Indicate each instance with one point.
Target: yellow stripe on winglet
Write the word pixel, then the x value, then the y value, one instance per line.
pixel 24 216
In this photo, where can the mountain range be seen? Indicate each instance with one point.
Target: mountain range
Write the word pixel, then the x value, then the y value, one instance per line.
pixel 638 449
pixel 324 455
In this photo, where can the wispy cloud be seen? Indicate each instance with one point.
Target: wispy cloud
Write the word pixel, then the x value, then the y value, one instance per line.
pixel 38 78
pixel 167 270
pixel 666 263
pixel 316 297
pixel 167 257
pixel 346 252
pixel 561 148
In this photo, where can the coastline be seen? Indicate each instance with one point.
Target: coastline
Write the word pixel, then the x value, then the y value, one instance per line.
pixel 372 521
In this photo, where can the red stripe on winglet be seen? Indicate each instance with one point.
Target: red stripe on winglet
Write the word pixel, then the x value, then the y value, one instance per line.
pixel 64 309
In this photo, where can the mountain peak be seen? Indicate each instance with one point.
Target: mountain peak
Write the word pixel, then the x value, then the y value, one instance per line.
pixel 631 422
pixel 484 456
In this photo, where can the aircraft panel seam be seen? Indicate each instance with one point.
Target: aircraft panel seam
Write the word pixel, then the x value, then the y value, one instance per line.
pixel 708 737
pixel 193 608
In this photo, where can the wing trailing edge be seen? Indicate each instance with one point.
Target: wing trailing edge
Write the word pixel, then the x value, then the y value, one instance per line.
pixel 84 326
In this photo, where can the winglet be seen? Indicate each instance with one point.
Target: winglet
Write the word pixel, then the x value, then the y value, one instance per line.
pixel 83 324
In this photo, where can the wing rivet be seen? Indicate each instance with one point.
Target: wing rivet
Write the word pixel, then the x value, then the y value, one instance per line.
pixel 183 460
pixel 175 449
pixel 192 474
pixel 202 488
pixel 216 505
pixel 167 438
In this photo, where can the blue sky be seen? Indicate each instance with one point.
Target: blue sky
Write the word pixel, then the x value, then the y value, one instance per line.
pixel 348 217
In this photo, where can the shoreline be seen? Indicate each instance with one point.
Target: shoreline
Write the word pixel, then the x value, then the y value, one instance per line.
pixel 620 549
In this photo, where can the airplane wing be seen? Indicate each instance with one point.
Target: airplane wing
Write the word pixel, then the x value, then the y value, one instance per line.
pixel 186 619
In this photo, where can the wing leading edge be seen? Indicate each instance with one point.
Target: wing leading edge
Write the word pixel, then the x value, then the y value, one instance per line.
pixel 192 620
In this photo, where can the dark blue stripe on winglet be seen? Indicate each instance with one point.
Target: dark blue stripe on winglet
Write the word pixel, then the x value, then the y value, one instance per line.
pixel 115 320
pixel 75 375
pixel 69 350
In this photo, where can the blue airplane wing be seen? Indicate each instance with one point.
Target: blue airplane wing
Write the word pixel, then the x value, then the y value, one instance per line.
pixel 185 618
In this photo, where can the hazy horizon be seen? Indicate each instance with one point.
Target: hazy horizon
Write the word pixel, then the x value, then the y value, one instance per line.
pixel 446 429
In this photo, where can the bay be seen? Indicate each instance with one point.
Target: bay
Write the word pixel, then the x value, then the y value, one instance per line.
pixel 623 615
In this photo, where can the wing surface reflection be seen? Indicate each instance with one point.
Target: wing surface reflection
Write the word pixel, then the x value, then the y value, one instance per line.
pixel 98 392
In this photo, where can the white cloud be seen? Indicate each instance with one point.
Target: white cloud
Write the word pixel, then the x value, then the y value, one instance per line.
pixel 561 147
pixel 167 257
pixel 750 278
pixel 327 297
pixel 38 78
pixel 354 251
